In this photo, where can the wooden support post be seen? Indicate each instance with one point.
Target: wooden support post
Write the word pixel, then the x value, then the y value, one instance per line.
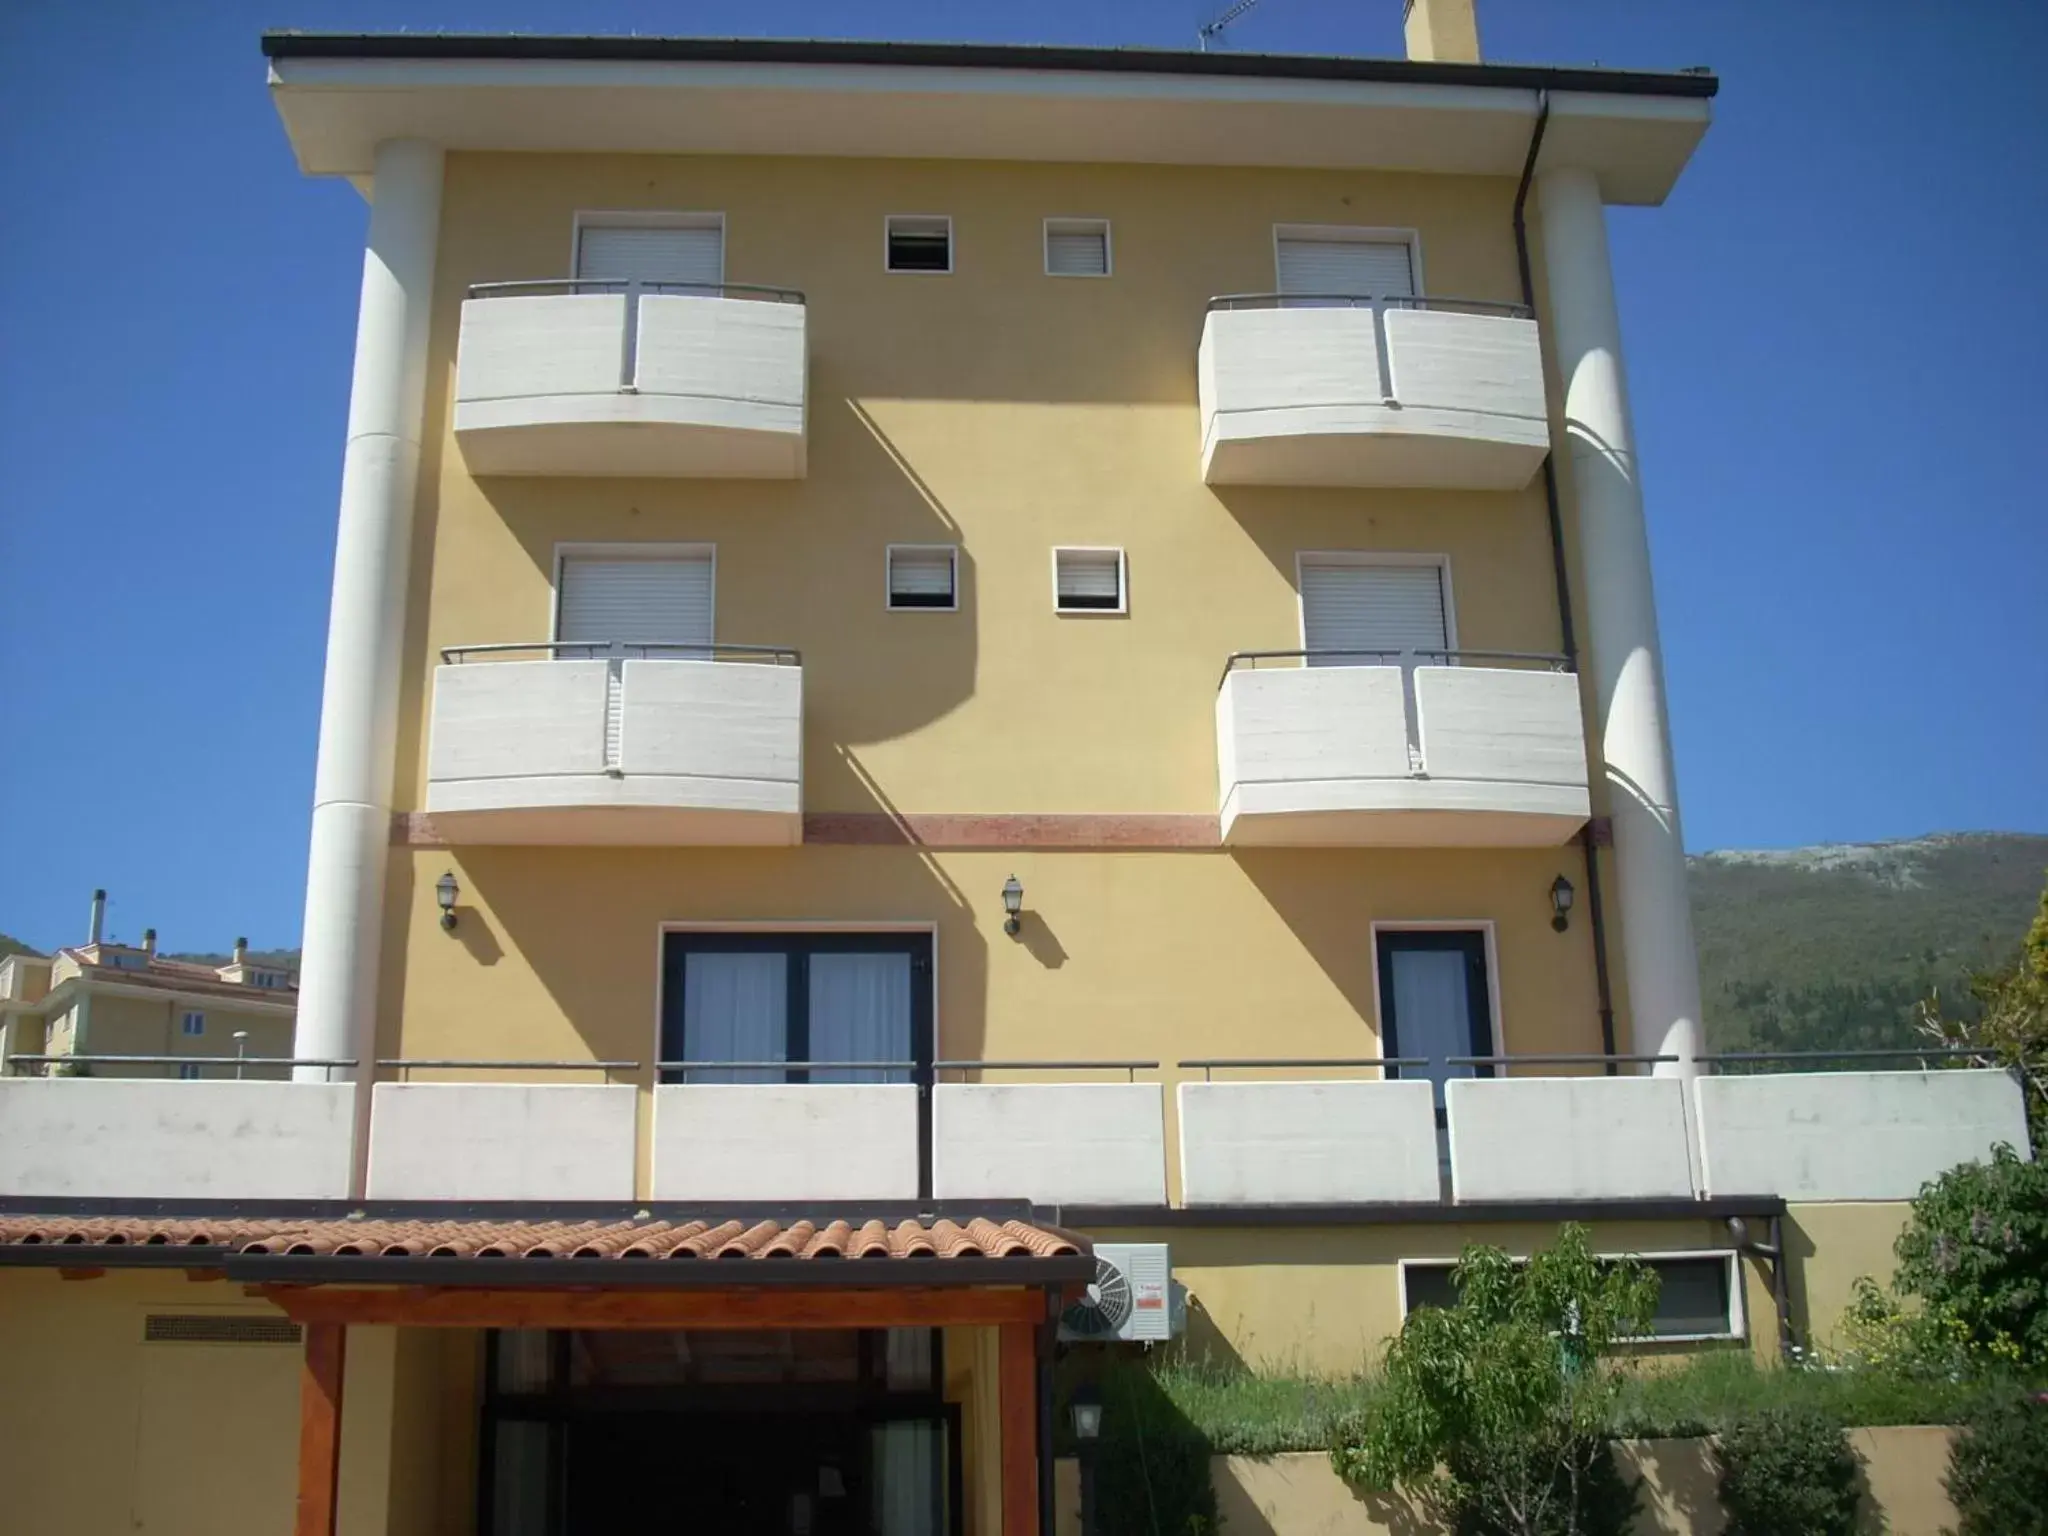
pixel 1017 1388
pixel 320 1429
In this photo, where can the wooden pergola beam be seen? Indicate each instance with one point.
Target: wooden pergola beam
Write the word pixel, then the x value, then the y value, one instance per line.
pixel 463 1307
pixel 1017 1419
pixel 320 1430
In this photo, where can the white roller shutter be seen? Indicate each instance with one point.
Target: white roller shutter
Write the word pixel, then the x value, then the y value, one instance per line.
pixel 921 576
pixel 1088 580
pixel 1346 607
pixel 1076 248
pixel 1378 267
pixel 665 599
pixel 651 253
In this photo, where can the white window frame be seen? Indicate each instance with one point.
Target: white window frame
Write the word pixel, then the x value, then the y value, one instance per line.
pixel 185 1023
pixel 1480 925
pixel 888 561
pixel 1123 581
pixel 1078 225
pixel 1738 1299
pixel 1442 562
pixel 189 1072
pixel 650 550
pixel 1360 234
pixel 642 218
pixel 951 250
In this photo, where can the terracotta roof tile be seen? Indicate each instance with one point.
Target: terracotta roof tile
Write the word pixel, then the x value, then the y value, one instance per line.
pixel 622 1238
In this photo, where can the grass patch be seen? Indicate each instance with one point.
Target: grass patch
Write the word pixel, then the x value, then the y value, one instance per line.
pixel 1711 1390
pixel 1241 1414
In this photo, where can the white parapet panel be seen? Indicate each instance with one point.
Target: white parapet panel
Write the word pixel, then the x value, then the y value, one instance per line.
pixel 712 387
pixel 1293 396
pixel 1852 1135
pixel 167 1139
pixel 708 753
pixel 502 1141
pixel 1315 1143
pixel 1320 757
pixel 1054 1143
pixel 785 1141
pixel 1569 1138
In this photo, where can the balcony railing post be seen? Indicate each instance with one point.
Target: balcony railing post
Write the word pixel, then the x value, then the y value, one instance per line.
pixel 1411 715
pixel 629 342
pixel 1379 346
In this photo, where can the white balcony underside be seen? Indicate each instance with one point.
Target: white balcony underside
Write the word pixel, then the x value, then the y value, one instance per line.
pixel 1295 396
pixel 631 435
pixel 714 386
pixel 1323 757
pixel 670 752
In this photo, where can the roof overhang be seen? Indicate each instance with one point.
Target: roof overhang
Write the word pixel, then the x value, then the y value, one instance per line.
pixel 340 96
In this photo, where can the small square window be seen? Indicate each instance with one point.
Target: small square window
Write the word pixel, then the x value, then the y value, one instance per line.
pixel 1077 247
pixel 919 242
pixel 194 1024
pixel 1088 580
pixel 188 1071
pixel 924 576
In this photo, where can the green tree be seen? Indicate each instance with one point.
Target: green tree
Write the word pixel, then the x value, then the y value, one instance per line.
pixel 2011 1023
pixel 1494 1411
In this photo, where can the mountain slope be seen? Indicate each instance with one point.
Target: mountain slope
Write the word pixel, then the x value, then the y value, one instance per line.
pixel 10 945
pixel 1834 946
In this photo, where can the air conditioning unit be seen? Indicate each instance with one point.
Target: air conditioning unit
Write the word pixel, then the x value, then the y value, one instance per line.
pixel 1129 1300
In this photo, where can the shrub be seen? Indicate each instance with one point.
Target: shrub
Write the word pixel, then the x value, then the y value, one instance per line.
pixel 1493 1412
pixel 1976 1255
pixel 1787 1472
pixel 1151 1463
pixel 1998 1468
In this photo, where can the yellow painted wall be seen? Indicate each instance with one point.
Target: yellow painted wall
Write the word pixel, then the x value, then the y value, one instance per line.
pixel 973 1362
pixel 1832 1245
pixel 120 1025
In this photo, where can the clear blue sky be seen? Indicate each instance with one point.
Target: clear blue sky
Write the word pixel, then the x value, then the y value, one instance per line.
pixel 1836 336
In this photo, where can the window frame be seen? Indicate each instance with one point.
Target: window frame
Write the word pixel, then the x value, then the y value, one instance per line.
pixel 650 549
pixel 1356 234
pixel 889 603
pixel 641 218
pixel 185 1021
pixel 1123 581
pixel 1075 224
pixel 1738 1303
pixel 891 270
pixel 1381 1005
pixel 1369 557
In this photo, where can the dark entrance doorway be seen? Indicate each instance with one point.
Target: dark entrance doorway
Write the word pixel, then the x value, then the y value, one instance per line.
pixel 765 1433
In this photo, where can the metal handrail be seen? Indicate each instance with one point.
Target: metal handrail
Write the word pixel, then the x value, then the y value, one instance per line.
pixel 622 285
pixel 1130 1068
pixel 1890 1053
pixel 1508 308
pixel 1211 1064
pixel 44 1058
pixel 687 1067
pixel 601 649
pixel 403 1064
pixel 1406 658
pixel 1560 1059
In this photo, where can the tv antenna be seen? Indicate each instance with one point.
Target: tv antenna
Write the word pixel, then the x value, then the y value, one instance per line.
pixel 1214 29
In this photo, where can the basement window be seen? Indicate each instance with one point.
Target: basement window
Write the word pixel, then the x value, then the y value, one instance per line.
pixel 919 242
pixel 924 576
pixel 1077 247
pixel 1088 581
pixel 1699 1295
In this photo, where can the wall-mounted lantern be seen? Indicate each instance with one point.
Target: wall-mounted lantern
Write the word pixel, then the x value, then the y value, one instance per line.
pixel 1013 905
pixel 445 892
pixel 1561 894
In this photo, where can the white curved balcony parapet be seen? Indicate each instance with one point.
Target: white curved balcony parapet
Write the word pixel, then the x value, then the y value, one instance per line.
pixel 583 377
pixel 1363 390
pixel 629 743
pixel 1392 749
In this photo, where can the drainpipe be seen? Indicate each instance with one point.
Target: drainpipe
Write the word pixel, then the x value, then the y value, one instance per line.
pixel 351 831
pixel 1596 907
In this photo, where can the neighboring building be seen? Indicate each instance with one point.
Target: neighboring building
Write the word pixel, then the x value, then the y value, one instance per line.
pixel 818 770
pixel 107 1009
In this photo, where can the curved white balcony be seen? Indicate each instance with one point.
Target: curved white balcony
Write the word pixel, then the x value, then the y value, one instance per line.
pixel 627 744
pixel 1339 389
pixel 1400 751
pixel 583 377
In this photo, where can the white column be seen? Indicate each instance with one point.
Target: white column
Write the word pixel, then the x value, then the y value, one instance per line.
pixel 366 617
pixel 1620 608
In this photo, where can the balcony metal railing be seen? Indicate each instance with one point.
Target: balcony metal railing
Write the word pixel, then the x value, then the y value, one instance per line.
pixel 1210 1065
pixel 619 650
pixel 633 291
pixel 1378 304
pixel 45 1060
pixel 1407 660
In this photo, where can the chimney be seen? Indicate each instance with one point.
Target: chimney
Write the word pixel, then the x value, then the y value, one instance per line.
pixel 99 917
pixel 241 951
pixel 149 942
pixel 1441 31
